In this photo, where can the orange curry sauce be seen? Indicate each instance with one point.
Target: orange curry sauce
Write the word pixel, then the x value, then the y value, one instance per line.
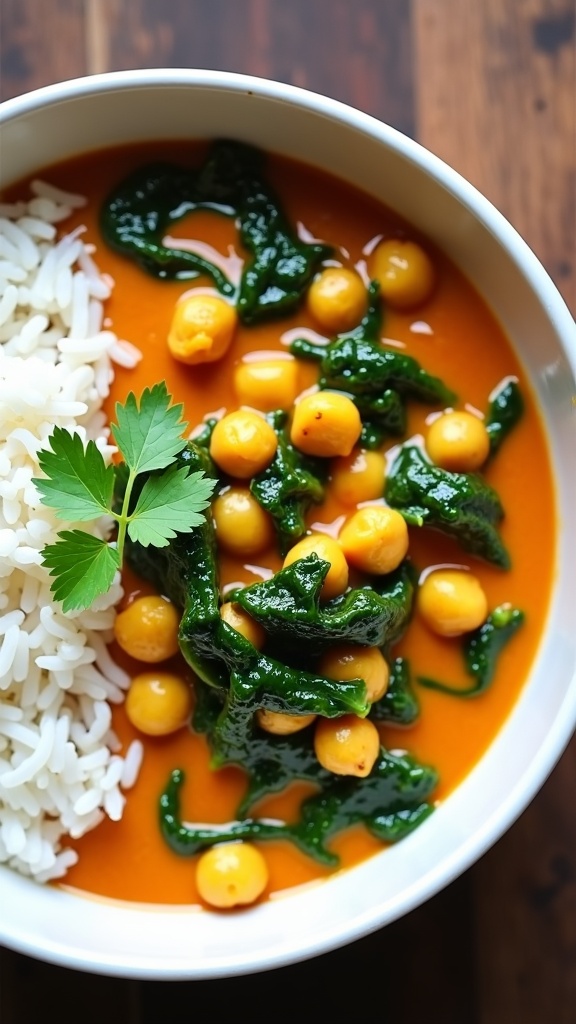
pixel 453 336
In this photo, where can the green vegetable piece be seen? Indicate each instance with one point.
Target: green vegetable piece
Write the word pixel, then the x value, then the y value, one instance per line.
pixel 169 505
pixel 461 505
pixel 288 606
pixel 271 762
pixel 78 483
pixel 379 379
pixel 80 487
pixel 504 412
pixel 83 568
pixel 399 705
pixel 390 802
pixel 288 486
pixel 203 436
pixel 369 327
pixel 481 651
pixel 382 416
pixel 149 433
pixel 186 572
pixel 236 680
pixel 365 368
pixel 137 215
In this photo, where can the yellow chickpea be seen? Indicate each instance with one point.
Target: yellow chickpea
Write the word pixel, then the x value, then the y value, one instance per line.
pixel 148 629
pixel 349 662
pixel 267 384
pixel 243 623
pixel 158 703
pixel 452 602
pixel 243 443
pixel 325 423
pixel 404 271
pixel 329 551
pixel 242 525
pixel 458 441
pixel 231 875
pixel 358 477
pixel 347 745
pixel 374 539
pixel 337 299
pixel 280 724
pixel 202 329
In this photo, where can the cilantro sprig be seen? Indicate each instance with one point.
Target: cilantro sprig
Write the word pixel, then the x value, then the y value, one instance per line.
pixel 79 486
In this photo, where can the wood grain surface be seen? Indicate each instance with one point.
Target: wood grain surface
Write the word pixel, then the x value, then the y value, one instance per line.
pixel 490 86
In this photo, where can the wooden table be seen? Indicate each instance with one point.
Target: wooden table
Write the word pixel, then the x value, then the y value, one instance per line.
pixel 490 86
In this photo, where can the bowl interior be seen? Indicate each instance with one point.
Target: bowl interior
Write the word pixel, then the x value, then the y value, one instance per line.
pixel 96 934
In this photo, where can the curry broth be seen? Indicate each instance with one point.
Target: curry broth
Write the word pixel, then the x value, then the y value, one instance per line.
pixel 455 337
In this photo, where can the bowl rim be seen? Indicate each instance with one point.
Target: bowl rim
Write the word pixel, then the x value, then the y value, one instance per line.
pixel 469 849
pixel 414 152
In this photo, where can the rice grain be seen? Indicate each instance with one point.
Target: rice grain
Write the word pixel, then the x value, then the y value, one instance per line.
pixel 60 767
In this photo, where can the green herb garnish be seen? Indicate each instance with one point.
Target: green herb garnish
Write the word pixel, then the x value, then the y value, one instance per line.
pixel 79 486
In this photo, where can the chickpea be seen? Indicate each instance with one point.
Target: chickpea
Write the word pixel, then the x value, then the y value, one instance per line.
pixel 202 329
pixel 349 662
pixel 267 384
pixel 405 273
pixel 374 539
pixel 148 629
pixel 280 724
pixel 330 551
pixel 458 441
pixel 325 423
pixel 158 703
pixel 452 602
pixel 358 477
pixel 243 443
pixel 337 299
pixel 243 623
pixel 347 745
pixel 231 875
pixel 242 525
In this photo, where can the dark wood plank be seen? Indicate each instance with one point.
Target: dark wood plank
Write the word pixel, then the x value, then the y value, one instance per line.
pixel 359 53
pixel 41 43
pixel 496 98
pixel 496 88
pixel 398 975
pixel 524 893
pixel 31 991
pixel 490 87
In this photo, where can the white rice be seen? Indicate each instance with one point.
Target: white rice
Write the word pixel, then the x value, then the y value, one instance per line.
pixel 60 768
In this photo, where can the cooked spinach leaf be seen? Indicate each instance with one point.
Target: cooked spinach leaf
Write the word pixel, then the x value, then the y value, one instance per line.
pixel 481 651
pixel 138 213
pixel 288 486
pixel 379 379
pixel 235 680
pixel 390 802
pixel 504 411
pixel 399 705
pixel 461 505
pixel 289 608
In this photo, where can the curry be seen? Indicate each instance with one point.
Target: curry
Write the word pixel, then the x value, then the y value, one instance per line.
pixel 427 345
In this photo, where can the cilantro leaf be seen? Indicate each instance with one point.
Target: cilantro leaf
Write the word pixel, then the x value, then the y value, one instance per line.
pixel 149 436
pixel 79 487
pixel 83 568
pixel 78 484
pixel 169 504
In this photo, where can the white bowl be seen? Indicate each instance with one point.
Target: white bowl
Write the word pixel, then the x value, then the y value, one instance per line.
pixel 157 942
